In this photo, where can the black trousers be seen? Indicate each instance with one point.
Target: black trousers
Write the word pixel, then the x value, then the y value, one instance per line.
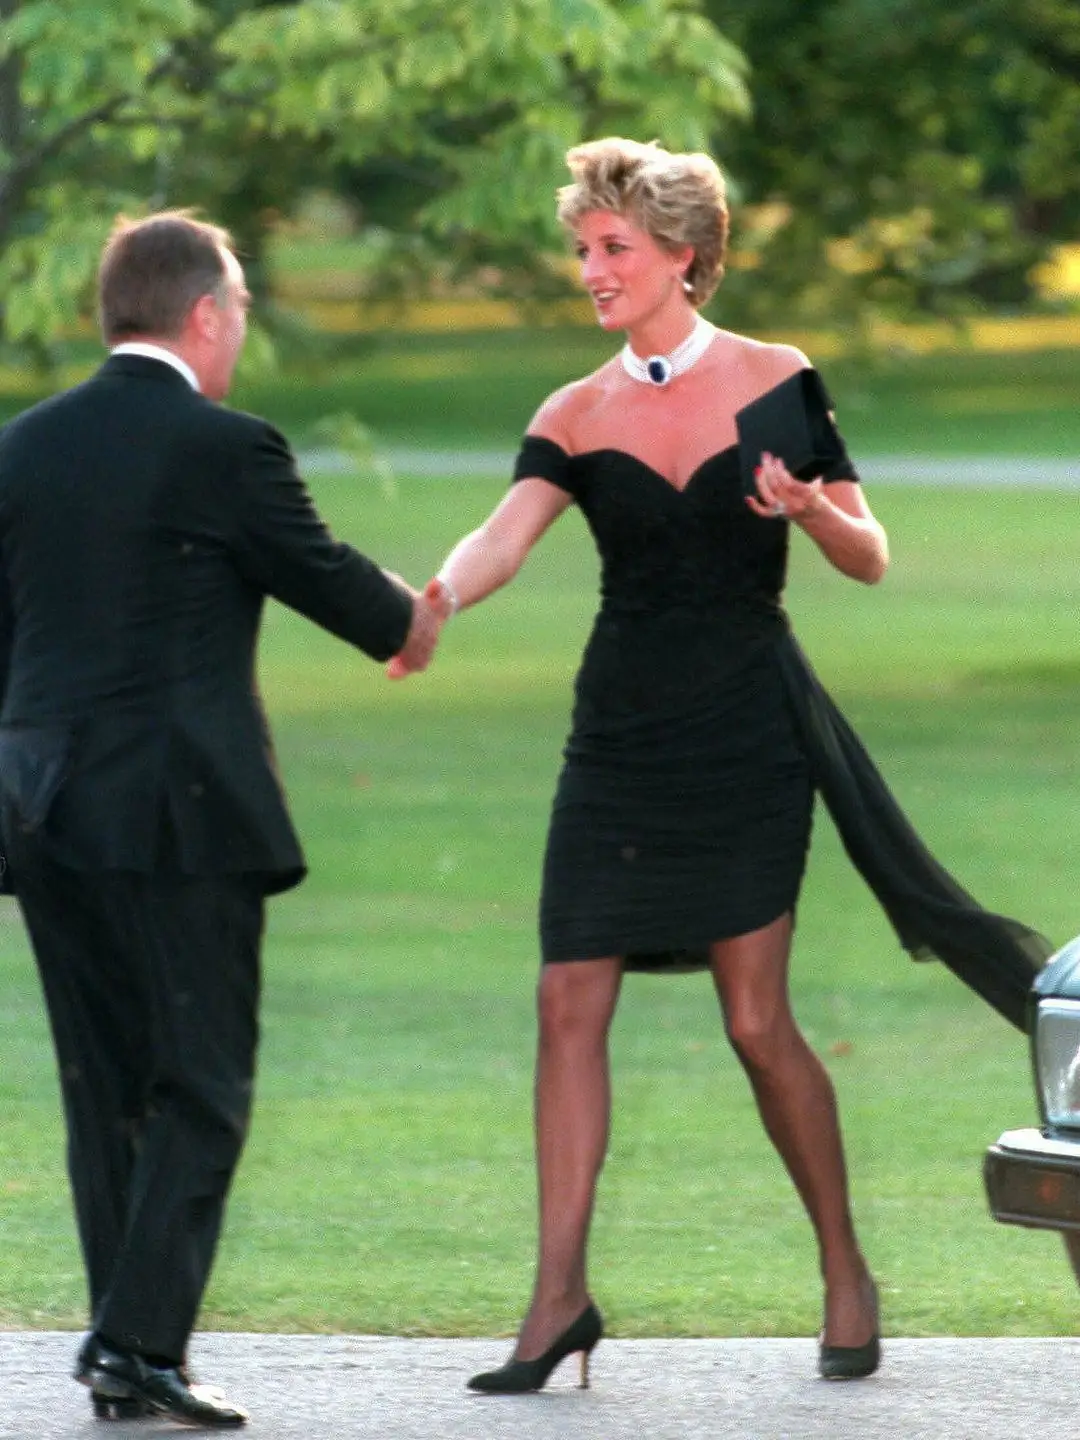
pixel 152 986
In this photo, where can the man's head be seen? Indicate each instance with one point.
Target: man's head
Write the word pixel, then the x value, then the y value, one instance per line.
pixel 173 281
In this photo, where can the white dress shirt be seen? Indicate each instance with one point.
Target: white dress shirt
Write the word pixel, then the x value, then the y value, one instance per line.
pixel 158 352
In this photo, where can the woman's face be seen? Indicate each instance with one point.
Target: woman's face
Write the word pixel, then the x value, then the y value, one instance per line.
pixel 629 276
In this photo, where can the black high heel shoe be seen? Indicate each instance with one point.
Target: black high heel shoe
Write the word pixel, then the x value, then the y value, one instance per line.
pixel 851 1362
pixel 518 1377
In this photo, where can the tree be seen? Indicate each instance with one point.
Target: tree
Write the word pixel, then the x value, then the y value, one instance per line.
pixel 233 106
pixel 905 156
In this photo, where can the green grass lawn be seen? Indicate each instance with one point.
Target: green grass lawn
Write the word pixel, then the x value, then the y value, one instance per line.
pixel 476 390
pixel 388 1185
pixel 481 389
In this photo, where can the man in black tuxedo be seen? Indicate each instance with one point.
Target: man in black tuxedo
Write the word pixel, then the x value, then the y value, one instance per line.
pixel 142 526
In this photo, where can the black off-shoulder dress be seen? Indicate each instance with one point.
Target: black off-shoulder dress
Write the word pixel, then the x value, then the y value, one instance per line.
pixel 699 736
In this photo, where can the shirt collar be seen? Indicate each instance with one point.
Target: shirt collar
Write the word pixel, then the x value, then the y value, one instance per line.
pixel 158 352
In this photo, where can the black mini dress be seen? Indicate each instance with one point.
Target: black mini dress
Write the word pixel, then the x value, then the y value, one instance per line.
pixel 699 737
pixel 682 812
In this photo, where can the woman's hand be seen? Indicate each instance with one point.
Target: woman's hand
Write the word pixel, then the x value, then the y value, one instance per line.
pixel 780 496
pixel 840 523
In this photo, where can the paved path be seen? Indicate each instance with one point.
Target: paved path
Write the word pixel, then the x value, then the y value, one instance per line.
pixel 1055 474
pixel 355 1387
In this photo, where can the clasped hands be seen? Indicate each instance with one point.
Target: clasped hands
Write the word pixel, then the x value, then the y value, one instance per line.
pixel 780 495
pixel 432 607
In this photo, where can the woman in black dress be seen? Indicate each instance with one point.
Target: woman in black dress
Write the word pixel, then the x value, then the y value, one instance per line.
pixel 682 814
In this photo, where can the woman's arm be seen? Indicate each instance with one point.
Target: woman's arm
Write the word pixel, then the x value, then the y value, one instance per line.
pixel 491 556
pixel 836 517
pixel 842 527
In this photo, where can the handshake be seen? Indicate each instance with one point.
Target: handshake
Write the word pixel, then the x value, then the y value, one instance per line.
pixel 432 607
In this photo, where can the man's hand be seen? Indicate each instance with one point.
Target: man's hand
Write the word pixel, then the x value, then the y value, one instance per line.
pixel 431 610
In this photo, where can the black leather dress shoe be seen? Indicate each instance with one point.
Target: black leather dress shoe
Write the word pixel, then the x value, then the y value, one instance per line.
pixel 122 1376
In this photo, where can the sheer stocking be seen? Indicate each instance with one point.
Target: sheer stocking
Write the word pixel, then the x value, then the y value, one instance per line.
pixel 576 1001
pixel 798 1109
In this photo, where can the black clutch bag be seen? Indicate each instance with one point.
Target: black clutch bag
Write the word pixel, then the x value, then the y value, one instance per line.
pixel 791 421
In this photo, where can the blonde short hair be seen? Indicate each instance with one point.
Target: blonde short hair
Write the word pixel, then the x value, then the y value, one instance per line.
pixel 678 199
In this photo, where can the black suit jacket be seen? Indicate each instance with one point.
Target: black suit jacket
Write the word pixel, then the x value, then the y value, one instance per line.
pixel 141 528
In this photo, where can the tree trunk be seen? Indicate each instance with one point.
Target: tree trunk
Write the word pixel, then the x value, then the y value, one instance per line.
pixel 11 126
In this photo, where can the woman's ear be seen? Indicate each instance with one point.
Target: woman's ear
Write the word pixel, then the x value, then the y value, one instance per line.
pixel 684 259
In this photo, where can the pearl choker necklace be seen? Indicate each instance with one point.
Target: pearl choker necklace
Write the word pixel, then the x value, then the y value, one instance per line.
pixel 660 369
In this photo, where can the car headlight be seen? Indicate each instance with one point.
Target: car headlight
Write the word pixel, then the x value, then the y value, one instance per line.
pixel 1057 1061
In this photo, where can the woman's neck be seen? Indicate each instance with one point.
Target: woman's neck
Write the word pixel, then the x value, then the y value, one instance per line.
pixel 660 334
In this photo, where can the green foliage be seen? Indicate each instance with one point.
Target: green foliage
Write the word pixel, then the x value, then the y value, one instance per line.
pixel 905 155
pixel 899 155
pixel 238 107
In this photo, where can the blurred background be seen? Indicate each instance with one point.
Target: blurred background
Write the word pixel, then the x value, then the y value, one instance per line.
pixel 905 184
pixel 390 164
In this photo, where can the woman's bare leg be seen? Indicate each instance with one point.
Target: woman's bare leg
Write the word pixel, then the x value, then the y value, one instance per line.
pixel 575 1001
pixel 798 1108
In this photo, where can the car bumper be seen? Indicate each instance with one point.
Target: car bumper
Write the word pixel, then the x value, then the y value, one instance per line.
pixel 1034 1179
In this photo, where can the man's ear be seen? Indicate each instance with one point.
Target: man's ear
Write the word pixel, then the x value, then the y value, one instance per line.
pixel 206 317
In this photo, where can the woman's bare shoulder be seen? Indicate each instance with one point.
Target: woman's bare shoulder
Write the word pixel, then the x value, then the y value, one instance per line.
pixel 768 361
pixel 559 415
